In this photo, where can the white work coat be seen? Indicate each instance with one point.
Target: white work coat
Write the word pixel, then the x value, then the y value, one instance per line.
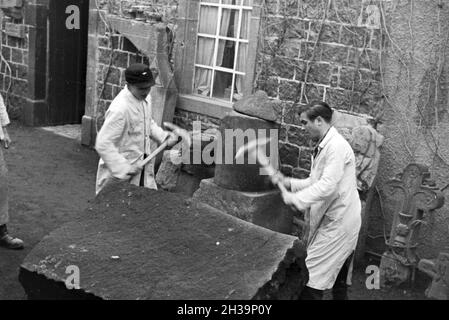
pixel 332 208
pixel 4 121
pixel 125 137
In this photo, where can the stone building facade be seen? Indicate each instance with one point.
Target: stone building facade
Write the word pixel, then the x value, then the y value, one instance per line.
pixel 15 44
pixel 354 54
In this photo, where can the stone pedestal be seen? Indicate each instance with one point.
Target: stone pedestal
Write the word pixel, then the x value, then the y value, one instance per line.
pixel 135 243
pixel 265 209
pixel 243 177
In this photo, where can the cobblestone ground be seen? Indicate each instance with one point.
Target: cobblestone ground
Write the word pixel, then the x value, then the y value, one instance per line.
pixel 51 179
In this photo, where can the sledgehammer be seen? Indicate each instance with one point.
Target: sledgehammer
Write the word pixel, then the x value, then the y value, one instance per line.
pixel 253 149
pixel 176 130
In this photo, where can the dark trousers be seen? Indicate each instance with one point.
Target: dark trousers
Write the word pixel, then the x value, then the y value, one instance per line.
pixel 142 174
pixel 339 290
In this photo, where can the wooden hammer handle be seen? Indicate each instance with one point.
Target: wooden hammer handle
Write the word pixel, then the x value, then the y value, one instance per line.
pixel 155 153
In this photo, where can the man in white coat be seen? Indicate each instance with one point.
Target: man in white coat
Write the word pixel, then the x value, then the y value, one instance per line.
pixel 331 203
pixel 5 239
pixel 125 138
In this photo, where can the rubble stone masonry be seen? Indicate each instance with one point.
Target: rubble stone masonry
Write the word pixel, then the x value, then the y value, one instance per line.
pixel 14 67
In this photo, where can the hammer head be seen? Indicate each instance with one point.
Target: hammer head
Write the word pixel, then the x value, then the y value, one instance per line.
pixel 179 132
pixel 251 147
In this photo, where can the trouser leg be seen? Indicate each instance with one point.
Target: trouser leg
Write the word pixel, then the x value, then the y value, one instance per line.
pixel 4 216
pixel 340 288
pixel 142 174
pixel 311 294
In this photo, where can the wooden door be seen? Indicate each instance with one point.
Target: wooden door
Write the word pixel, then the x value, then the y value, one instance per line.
pixel 67 62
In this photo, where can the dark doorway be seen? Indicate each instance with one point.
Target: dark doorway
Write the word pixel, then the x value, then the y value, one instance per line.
pixel 67 65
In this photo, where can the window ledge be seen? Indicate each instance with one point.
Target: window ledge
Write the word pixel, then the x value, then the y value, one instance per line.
pixel 206 106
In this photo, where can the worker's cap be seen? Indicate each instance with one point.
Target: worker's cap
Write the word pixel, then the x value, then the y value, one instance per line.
pixel 138 73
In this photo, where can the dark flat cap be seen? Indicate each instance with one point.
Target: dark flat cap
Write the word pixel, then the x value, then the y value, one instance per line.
pixel 138 73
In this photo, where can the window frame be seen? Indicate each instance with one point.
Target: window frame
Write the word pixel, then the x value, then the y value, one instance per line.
pixel 185 56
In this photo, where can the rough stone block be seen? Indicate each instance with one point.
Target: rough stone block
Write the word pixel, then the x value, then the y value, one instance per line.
pixel 16 55
pixel 305 158
pixel 338 98
pixel 265 209
pixel 6 52
pixel 257 105
pixel 283 67
pixel 298 136
pixel 309 50
pixel 286 170
pixel 311 9
pixel 121 59
pixel 347 77
pixel 169 170
pixel 319 72
pixel 236 130
pixel 312 92
pixel 289 7
pixel 289 90
pixel 355 36
pixel 270 86
pixel 334 53
pixel 329 32
pixel 271 6
pixel 345 11
pixel 137 244
pixel 300 70
pixel 289 154
pixel 291 115
pixel 114 76
pixel 298 29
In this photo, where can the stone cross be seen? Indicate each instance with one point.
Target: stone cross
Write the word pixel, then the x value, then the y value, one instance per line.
pixel 418 196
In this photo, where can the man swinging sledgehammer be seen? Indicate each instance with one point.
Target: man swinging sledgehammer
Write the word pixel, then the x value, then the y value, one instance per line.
pixel 123 142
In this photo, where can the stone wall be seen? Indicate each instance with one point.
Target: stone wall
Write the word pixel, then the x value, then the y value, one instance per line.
pixel 317 50
pixel 416 121
pixel 14 67
pixel 113 52
pixel 111 79
pixel 350 53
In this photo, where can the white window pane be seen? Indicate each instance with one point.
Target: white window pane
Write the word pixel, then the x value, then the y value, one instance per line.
pixel 210 1
pixel 229 23
pixel 244 29
pixel 208 20
pixel 226 54
pixel 205 51
pixel 242 57
pixel 248 3
pixel 238 88
pixel 222 85
pixel 203 78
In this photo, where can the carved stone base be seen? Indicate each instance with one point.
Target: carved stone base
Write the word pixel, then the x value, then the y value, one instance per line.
pixel 392 271
pixel 265 209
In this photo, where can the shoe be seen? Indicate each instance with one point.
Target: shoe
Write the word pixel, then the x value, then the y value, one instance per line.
pixel 11 243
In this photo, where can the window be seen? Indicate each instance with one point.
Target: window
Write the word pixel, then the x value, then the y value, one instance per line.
pixel 222 48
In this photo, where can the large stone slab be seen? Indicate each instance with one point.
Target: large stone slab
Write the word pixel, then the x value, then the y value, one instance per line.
pixel 135 243
pixel 265 209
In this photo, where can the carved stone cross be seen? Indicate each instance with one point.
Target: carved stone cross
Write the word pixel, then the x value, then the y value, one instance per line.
pixel 418 196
